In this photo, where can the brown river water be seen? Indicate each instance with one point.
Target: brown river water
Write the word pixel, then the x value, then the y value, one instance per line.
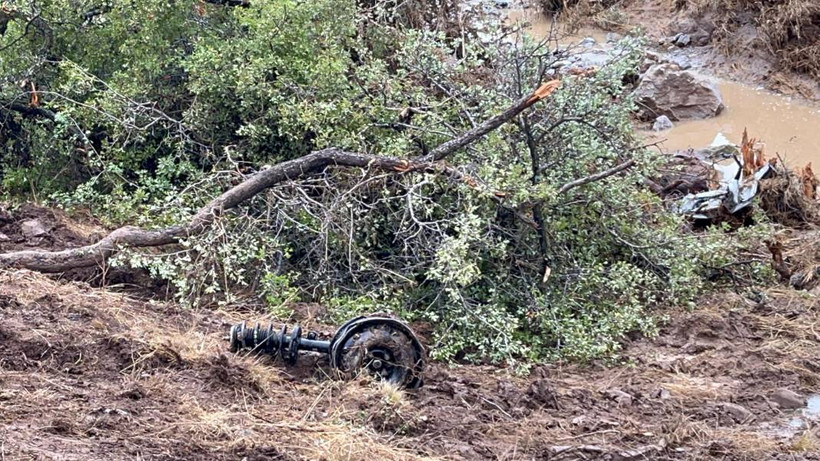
pixel 787 127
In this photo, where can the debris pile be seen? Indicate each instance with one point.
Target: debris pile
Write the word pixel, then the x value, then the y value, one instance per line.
pixel 741 175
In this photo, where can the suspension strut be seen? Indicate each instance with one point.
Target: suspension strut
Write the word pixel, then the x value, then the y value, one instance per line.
pixel 382 346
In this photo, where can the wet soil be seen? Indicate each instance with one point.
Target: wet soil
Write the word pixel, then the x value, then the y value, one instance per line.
pixel 89 373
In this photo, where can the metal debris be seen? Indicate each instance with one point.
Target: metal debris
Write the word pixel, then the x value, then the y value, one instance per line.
pixel 382 346
pixel 736 189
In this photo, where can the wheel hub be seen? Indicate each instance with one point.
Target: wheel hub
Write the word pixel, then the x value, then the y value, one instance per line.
pixel 383 347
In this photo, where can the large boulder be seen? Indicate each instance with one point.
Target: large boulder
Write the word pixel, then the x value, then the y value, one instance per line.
pixel 667 90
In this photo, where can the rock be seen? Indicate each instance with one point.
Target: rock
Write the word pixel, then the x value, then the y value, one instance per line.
pixel 502 3
pixel 588 42
pixel 590 59
pixel 662 394
pixel 612 37
pixel 739 413
pixel 680 95
pixel 33 228
pixel 5 215
pixel 682 40
pixel 4 238
pixel 682 62
pixel 662 123
pixel 560 64
pixel 621 397
pixel 788 400
pixel 650 59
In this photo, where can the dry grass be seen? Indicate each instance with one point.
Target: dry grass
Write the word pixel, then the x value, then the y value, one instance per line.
pixel 683 430
pixel 154 381
pixel 697 388
pixel 176 361
pixel 789 29
pixel 807 442
pixel 392 395
pixel 345 443
pixel 749 444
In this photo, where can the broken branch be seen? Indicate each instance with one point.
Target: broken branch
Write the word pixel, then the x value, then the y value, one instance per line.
pixel 134 237
pixel 492 123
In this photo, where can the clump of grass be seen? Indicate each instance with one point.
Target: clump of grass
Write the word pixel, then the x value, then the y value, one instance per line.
pixel 392 394
pixel 575 13
pixel 806 443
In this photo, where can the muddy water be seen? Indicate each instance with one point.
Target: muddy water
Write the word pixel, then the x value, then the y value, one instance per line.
pixel 789 128
pixel 541 26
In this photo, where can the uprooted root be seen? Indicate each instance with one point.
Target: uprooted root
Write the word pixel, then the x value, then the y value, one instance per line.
pixel 788 197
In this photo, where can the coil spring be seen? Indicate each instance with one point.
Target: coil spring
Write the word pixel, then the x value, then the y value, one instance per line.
pixel 266 340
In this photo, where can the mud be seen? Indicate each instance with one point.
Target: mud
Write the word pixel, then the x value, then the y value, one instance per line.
pixel 60 230
pixel 87 373
pixel 541 26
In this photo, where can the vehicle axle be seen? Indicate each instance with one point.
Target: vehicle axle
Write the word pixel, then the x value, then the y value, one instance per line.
pixel 382 346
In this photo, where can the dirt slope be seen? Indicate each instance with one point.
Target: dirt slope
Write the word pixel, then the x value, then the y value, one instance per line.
pixel 773 44
pixel 90 373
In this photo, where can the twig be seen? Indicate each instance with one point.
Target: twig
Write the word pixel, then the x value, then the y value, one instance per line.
pixel 597 176
pixel 580 436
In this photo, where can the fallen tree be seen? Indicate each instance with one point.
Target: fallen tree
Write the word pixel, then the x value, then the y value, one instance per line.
pixel 135 237
pixel 534 241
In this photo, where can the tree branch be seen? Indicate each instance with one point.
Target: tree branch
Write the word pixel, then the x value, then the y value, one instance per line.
pixel 129 236
pixel 42 112
pixel 492 123
pixel 597 176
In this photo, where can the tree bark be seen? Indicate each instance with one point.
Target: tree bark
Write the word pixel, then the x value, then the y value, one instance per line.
pixel 492 123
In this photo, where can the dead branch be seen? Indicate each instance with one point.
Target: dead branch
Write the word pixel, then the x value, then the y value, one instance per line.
pixel 492 123
pixel 134 237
